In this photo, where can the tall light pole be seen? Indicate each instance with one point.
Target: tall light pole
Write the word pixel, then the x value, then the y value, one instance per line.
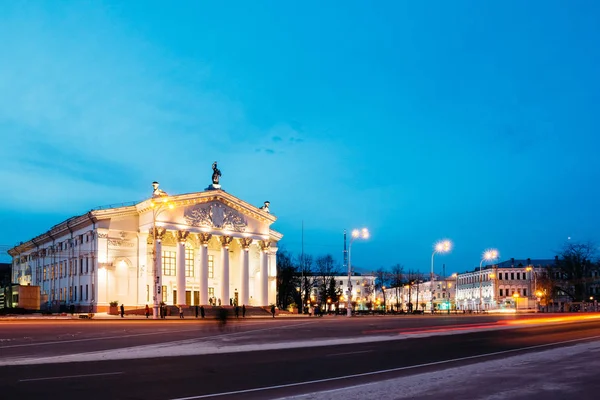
pixel 488 255
pixel 455 276
pixel 443 246
pixel 356 234
pixel 159 203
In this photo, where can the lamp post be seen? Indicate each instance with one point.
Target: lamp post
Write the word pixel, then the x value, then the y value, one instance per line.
pixel 443 246
pixel 356 234
pixel 159 203
pixel 488 255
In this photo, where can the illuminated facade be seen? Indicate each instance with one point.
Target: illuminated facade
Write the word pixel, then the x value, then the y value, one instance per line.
pixel 211 248
pixel 502 285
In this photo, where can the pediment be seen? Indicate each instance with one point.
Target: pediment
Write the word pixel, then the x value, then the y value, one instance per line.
pixel 215 214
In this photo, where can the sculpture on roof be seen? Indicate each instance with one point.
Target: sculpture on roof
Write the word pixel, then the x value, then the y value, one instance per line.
pixel 265 207
pixel 157 192
pixel 216 174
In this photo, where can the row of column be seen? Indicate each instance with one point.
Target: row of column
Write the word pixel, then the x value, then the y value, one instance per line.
pixel 224 284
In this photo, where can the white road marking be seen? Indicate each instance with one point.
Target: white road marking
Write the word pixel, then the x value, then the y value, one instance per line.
pixel 68 377
pixel 352 352
pixel 96 338
pixel 148 334
pixel 339 378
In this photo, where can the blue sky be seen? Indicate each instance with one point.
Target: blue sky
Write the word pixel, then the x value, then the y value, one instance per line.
pixel 475 121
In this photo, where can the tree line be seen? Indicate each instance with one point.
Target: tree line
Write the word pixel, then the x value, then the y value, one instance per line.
pixel 299 275
pixel 575 275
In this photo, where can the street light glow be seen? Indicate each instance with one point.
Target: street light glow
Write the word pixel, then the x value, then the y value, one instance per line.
pixel 443 246
pixel 490 254
pixel 356 234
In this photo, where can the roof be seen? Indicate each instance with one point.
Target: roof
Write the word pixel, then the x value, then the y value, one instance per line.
pixel 136 208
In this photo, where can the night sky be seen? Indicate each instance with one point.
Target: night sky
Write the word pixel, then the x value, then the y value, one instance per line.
pixel 475 121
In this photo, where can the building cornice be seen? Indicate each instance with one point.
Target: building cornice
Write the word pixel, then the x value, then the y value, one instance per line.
pixel 229 200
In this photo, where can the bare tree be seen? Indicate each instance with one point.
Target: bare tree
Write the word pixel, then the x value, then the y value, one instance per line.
pixel 287 279
pixel 326 269
pixel 397 280
pixel 307 278
pixel 574 270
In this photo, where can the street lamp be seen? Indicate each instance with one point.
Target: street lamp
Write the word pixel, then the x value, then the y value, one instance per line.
pixel 356 234
pixel 159 203
pixel 443 246
pixel 488 255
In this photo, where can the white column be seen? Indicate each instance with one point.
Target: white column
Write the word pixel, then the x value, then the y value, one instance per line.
pixel 225 270
pixel 204 239
pixel 204 274
pixel 245 271
pixel 272 294
pixel 158 276
pixel 181 273
pixel 264 277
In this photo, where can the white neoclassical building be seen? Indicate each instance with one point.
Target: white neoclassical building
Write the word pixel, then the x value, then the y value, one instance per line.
pixel 210 247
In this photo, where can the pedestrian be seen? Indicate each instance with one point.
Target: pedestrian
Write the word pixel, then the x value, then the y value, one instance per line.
pixel 237 312
pixel 147 311
pixel 243 310
pixel 273 310
pixel 202 311
pixel 196 311
pixel 180 312
pixel 122 311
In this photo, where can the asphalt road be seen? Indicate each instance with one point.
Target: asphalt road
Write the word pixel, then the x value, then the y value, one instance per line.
pixel 259 374
pixel 45 338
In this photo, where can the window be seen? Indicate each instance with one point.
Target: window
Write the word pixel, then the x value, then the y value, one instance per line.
pixel 81 267
pixel 524 292
pixel 70 293
pixel 518 275
pixel 211 292
pixel 45 273
pixel 189 262
pixel 341 283
pixel 86 292
pixel 164 294
pixel 80 292
pixel 501 293
pixel 87 264
pixel 168 263
pixel 211 268
pixel 147 292
pixel 512 275
pixel 500 277
pixel 75 293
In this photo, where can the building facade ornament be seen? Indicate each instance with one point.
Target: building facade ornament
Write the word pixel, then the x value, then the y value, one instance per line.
pixel 204 238
pixel 264 245
pixel 215 215
pixel 226 240
pixel 182 236
pixel 245 243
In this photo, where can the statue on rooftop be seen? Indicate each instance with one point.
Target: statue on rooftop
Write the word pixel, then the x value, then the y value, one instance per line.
pixel 157 192
pixel 216 174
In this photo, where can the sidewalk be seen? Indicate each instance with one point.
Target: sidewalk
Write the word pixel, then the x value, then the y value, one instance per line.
pixel 130 317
